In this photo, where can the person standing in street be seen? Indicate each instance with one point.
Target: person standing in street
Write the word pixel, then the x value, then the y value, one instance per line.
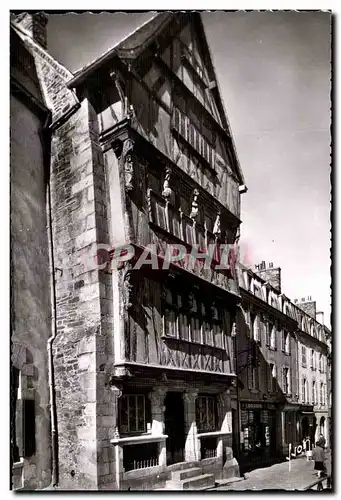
pixel 319 458
pixel 322 441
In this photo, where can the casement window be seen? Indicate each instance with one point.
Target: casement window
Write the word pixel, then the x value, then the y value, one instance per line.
pixel 304 390
pixel 273 336
pixel 268 329
pixel 286 385
pixel 304 355
pixel 255 322
pixel 191 319
pixel 272 382
pixel 322 395
pixel 285 342
pixel 193 136
pixel 170 324
pixel 253 368
pixel 313 392
pixel 206 413
pixel 133 413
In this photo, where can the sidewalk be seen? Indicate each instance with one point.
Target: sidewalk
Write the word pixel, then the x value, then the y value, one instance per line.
pixel 296 475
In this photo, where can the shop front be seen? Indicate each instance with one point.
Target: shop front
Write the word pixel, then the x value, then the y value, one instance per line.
pixel 258 434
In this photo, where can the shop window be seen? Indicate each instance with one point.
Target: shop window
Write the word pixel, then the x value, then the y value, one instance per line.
pixel 206 413
pixel 133 413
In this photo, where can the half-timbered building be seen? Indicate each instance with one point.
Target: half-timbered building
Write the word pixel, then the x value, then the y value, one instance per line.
pixel 173 177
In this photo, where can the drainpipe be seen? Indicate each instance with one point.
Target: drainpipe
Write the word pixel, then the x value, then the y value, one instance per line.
pixel 54 442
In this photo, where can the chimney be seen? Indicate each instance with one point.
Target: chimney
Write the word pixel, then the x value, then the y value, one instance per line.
pixel 270 274
pixel 320 317
pixel 308 306
pixel 34 24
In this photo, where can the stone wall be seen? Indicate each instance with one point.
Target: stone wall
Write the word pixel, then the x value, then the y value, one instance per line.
pixel 30 275
pixel 83 346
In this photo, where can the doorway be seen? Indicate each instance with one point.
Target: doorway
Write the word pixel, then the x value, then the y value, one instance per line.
pixel 174 427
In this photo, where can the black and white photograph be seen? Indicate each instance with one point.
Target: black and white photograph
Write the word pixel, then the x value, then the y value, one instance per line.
pixel 170 184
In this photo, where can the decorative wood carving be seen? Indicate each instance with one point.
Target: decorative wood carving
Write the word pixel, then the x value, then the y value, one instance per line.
pixel 129 164
pixel 216 227
pixel 195 205
pixel 167 192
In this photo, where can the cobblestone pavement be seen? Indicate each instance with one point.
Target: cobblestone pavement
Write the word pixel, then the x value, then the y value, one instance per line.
pixel 284 476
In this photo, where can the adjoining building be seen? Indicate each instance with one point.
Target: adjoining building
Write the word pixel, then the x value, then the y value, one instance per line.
pixel 281 368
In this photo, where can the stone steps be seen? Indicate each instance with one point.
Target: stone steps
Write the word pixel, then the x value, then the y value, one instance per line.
pixel 190 479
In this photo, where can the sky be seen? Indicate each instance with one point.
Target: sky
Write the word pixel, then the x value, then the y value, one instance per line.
pixel 274 73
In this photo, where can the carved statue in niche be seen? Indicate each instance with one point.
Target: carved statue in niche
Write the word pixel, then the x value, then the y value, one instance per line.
pixel 127 290
pixel 128 162
pixel 167 192
pixel 195 205
pixel 216 227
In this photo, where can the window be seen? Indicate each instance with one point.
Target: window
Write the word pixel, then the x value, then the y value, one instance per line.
pixel 304 356
pixel 132 413
pixel 268 328
pixel 304 390
pixel 320 363
pixel 255 322
pixel 206 413
pixel 286 381
pixel 312 359
pixel 193 135
pixel 322 401
pixel 273 337
pixel 170 325
pixel 287 343
pixel 272 384
pixel 188 318
pixel 253 374
pixel 313 392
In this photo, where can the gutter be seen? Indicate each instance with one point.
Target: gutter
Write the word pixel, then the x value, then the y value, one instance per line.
pixel 53 412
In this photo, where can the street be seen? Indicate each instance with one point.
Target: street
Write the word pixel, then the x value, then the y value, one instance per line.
pixel 294 475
